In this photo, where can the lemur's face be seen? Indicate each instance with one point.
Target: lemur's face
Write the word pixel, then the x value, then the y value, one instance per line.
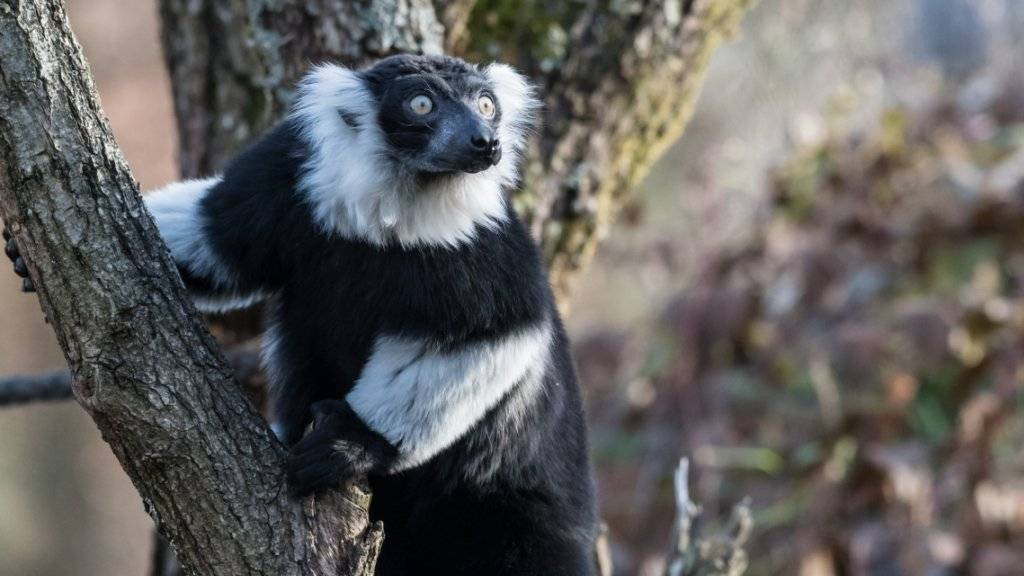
pixel 439 116
pixel 415 150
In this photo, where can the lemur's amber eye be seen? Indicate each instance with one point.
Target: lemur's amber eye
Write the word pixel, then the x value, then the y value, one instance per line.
pixel 421 104
pixel 486 106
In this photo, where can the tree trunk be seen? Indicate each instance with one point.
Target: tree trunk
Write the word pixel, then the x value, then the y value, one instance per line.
pixel 618 87
pixel 144 367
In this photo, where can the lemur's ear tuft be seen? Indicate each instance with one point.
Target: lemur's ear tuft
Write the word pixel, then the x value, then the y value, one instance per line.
pixel 518 100
pixel 332 90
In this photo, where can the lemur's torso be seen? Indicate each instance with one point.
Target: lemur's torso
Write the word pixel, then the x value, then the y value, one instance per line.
pixel 409 314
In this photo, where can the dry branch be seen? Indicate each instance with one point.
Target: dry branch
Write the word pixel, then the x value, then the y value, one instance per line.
pixel 144 366
pixel 27 388
pixel 694 552
pixel 55 385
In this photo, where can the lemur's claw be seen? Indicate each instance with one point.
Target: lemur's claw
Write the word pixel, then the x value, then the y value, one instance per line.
pixel 317 464
pixel 324 458
pixel 315 470
pixel 20 267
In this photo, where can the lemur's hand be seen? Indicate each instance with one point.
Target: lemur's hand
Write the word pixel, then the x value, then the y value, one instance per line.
pixel 336 450
pixel 11 249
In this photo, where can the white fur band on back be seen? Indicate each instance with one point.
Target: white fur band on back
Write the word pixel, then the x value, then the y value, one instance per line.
pixel 422 399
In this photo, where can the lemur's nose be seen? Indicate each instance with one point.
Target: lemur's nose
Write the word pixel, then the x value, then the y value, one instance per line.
pixel 484 141
pixel 485 145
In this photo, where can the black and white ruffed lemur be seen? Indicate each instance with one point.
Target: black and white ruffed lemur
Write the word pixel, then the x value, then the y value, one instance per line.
pixel 410 315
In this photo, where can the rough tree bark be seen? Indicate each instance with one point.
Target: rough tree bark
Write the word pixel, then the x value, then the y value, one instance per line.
pixel 144 367
pixel 618 88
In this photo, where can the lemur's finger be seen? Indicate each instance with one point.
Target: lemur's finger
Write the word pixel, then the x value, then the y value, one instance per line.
pixel 27 285
pixel 20 268
pixel 11 248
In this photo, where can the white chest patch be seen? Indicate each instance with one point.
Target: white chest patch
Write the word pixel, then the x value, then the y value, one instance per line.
pixel 422 399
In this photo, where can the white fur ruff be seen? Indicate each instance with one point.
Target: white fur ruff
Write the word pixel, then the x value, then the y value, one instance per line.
pixel 422 399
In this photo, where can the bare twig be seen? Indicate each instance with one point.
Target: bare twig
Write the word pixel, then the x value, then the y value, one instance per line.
pixel 603 552
pixel 694 554
pixel 55 385
pixel 42 387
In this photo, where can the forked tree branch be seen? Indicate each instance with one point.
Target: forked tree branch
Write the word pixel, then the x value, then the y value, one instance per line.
pixel 145 368
pixel 697 551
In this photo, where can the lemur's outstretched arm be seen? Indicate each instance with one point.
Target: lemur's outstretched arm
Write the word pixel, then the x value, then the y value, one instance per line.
pixel 187 214
pixel 223 232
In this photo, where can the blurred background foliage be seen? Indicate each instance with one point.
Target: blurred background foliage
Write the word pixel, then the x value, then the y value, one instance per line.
pixel 818 297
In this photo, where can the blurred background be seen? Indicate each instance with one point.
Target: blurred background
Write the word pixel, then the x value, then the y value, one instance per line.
pixel 818 297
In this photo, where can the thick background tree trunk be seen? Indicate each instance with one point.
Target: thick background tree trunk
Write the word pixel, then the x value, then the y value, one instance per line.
pixel 144 366
pixel 619 86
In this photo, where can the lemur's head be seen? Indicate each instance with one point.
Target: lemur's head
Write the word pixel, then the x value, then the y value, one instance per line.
pixel 414 149
pixel 439 115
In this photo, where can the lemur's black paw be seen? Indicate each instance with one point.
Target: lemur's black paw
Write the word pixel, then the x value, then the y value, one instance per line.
pixel 20 268
pixel 324 458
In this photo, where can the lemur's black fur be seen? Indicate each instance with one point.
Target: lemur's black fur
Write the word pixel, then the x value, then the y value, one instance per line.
pixel 369 326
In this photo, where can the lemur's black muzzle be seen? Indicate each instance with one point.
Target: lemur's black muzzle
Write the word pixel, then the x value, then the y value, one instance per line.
pixel 461 141
pixel 474 147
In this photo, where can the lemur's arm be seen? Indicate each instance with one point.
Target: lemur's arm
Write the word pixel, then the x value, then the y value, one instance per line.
pixel 414 399
pixel 224 233
pixel 202 223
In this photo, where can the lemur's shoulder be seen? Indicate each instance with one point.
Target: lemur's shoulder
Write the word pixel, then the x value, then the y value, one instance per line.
pixel 271 163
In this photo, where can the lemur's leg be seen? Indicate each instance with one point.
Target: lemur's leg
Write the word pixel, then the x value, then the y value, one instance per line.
pixel 20 268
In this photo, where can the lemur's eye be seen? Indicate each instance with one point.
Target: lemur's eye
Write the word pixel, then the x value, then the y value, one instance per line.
pixel 486 106
pixel 421 104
